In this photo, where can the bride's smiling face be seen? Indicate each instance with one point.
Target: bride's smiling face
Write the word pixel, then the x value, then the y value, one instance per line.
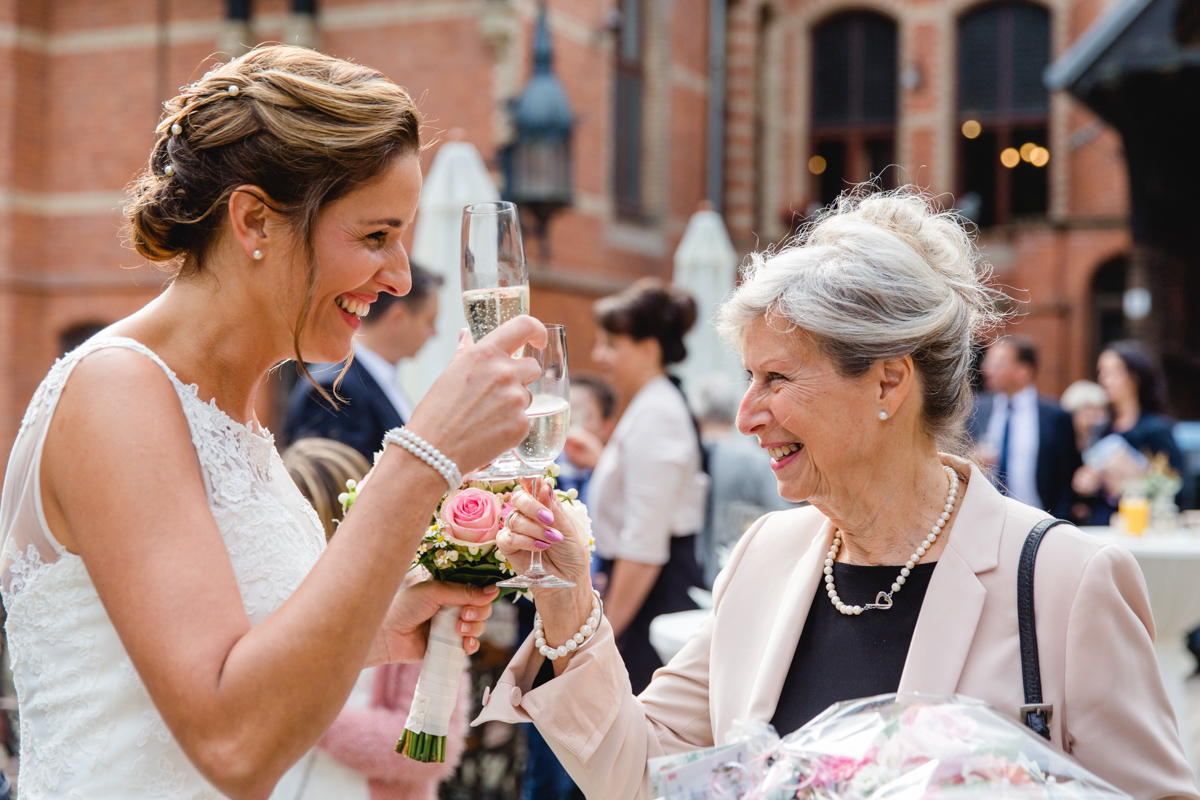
pixel 359 253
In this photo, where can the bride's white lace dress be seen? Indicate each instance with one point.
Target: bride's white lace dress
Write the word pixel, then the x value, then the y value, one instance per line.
pixel 88 727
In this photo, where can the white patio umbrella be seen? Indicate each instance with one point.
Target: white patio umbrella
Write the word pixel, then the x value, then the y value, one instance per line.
pixel 706 265
pixel 457 178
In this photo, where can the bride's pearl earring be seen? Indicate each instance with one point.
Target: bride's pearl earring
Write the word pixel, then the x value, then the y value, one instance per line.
pixel 257 255
pixel 882 414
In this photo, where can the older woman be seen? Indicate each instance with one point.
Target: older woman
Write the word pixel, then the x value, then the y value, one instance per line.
pixel 900 576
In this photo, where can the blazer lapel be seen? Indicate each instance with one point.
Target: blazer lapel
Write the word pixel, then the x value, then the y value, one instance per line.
pixel 791 613
pixel 955 598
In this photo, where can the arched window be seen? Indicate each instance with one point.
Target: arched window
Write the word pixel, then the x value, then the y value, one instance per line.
pixel 853 101
pixel 1108 310
pixel 1003 110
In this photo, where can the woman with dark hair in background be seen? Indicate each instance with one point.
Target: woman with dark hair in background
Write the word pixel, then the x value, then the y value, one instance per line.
pixel 1136 387
pixel 648 489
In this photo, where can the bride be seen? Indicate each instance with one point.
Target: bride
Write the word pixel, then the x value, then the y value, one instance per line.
pixel 176 630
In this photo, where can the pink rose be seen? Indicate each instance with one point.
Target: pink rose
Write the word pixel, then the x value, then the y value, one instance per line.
pixel 472 515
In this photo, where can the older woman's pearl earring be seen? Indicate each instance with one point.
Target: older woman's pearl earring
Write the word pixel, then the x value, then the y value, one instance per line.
pixel 882 414
pixel 257 255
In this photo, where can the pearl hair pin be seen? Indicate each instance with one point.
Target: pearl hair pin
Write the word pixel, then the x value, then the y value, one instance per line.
pixel 883 600
pixel 232 90
pixel 168 170
pixel 176 129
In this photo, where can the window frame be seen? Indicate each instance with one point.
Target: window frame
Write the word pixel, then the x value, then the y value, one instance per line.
pixel 854 134
pixel 1004 122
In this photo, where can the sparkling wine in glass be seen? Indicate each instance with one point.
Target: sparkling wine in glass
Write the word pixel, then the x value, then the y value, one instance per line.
pixel 495 285
pixel 549 415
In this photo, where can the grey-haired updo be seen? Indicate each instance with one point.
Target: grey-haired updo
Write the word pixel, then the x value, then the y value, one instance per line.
pixel 877 277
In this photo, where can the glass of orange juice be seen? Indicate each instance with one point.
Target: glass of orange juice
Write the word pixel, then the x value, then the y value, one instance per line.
pixel 1135 514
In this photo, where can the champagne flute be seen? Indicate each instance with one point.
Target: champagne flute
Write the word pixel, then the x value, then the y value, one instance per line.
pixel 495 283
pixel 549 411
pixel 549 415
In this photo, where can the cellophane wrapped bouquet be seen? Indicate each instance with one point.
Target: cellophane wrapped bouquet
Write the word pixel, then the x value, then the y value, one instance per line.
pixel 898 747
pixel 459 546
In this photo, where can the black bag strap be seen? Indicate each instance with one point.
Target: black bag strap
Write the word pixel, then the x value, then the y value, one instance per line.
pixel 1034 713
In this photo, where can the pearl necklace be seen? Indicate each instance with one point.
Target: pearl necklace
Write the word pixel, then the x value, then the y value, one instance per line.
pixel 883 600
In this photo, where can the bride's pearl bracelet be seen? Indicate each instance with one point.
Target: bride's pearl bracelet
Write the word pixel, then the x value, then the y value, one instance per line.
pixel 586 632
pixel 423 450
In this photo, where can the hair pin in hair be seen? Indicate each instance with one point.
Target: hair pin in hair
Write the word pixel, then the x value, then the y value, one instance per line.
pixel 176 128
pixel 169 170
pixel 233 90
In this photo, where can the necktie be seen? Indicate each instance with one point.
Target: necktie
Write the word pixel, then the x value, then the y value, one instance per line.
pixel 1002 466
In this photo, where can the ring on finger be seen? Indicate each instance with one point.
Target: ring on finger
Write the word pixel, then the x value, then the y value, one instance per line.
pixel 508 519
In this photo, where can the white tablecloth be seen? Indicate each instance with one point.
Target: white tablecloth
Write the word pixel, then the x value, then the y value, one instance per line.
pixel 1171 565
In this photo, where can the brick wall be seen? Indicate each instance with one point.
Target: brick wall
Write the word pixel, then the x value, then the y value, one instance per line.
pixel 82 82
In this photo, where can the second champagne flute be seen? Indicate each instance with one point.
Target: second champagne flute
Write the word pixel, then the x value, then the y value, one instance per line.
pixel 549 416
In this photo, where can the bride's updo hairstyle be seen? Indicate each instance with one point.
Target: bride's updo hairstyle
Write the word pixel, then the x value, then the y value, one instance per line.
pixel 879 276
pixel 304 127
pixel 649 309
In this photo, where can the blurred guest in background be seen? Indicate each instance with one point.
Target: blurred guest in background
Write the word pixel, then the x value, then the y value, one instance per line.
pixel 1136 386
pixel 1087 403
pixel 593 417
pixel 396 328
pixel 1027 439
pixel 356 759
pixel 743 486
pixel 648 490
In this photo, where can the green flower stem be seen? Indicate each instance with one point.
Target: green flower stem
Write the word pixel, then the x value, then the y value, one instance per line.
pixel 422 747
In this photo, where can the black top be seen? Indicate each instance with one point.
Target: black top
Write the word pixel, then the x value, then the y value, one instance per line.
pixel 842 657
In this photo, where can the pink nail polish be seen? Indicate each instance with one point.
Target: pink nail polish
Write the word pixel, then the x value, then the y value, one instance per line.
pixel 541 545
pixel 553 535
pixel 545 516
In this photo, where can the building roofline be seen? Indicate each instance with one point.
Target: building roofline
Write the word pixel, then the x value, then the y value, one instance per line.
pixel 1094 43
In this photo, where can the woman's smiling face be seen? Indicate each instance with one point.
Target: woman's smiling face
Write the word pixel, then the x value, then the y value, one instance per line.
pixel 356 241
pixel 810 418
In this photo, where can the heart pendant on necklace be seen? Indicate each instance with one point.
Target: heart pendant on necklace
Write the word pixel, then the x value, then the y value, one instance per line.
pixel 883 601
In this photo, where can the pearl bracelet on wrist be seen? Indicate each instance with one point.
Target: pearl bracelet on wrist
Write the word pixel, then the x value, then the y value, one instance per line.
pixel 586 632
pixel 423 450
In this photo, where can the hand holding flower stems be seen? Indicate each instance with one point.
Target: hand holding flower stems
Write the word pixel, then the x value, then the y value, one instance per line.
pixel 540 521
pixel 459 547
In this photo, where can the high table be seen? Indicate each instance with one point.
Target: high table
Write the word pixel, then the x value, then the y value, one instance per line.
pixel 1171 566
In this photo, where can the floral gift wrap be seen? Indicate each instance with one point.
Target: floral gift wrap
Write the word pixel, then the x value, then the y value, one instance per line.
pixel 899 747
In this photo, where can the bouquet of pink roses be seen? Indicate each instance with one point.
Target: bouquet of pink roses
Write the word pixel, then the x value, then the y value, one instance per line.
pixel 459 546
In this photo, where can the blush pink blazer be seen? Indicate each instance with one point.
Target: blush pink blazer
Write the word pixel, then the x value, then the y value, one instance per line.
pixel 1095 640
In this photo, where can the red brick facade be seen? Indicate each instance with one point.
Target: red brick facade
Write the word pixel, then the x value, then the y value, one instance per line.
pixel 81 83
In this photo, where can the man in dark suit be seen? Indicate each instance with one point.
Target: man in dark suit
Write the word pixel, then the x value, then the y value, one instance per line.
pixel 1028 439
pixel 372 402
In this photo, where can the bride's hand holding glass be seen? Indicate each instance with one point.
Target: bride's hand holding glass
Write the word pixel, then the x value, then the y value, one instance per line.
pixel 475 410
